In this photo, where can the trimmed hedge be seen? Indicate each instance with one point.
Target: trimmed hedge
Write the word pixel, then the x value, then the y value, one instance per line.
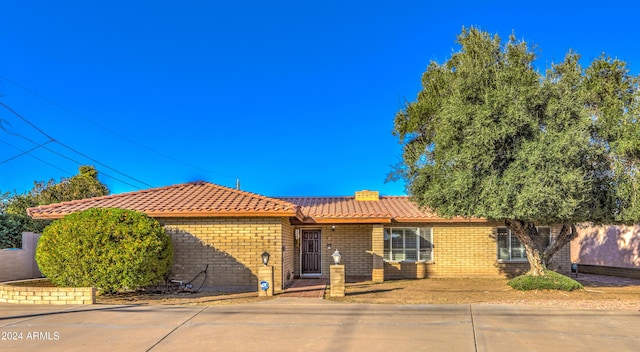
pixel 110 249
pixel 549 281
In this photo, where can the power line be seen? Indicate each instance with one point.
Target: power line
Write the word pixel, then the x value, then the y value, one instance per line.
pixel 27 121
pixel 132 141
pixel 23 152
pixel 63 156
pixel 51 139
pixel 40 159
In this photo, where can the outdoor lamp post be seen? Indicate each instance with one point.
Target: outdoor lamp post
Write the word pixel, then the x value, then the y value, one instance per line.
pixel 336 257
pixel 336 276
pixel 265 277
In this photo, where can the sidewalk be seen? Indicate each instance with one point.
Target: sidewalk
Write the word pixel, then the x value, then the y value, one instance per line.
pixel 306 288
pixel 292 324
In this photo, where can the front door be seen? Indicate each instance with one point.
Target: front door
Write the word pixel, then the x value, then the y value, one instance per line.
pixel 311 252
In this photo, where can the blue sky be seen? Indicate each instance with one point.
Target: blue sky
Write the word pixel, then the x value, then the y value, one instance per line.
pixel 291 97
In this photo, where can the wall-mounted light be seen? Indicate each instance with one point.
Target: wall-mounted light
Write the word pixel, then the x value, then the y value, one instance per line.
pixel 336 257
pixel 333 227
pixel 265 258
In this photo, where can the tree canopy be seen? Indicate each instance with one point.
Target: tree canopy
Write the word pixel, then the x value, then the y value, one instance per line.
pixel 14 206
pixel 490 136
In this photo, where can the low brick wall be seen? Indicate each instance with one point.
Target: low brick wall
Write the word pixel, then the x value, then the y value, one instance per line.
pixel 405 270
pixel 609 270
pixel 40 291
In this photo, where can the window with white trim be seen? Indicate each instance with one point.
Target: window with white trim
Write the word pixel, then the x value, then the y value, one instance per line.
pixel 511 249
pixel 408 244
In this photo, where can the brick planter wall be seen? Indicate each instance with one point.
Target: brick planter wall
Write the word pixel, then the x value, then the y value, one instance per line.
pixel 40 291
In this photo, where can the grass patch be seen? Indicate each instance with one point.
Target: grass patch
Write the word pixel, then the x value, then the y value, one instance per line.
pixel 549 281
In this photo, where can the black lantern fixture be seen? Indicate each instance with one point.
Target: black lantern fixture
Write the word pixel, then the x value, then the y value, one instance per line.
pixel 265 258
pixel 336 257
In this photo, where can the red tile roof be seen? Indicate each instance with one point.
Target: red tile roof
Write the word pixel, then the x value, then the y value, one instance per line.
pixel 195 199
pixel 348 209
pixel 203 199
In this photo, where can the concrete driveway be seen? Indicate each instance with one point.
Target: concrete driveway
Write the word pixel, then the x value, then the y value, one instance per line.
pixel 303 324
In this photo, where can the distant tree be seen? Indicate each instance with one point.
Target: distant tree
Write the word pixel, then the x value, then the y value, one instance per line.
pixel 10 234
pixel 83 185
pixel 490 136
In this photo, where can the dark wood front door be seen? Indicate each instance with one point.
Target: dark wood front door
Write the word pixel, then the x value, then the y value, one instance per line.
pixel 311 252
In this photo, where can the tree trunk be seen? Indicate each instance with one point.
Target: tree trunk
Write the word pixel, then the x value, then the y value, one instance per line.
pixel 537 255
pixel 567 233
pixel 527 234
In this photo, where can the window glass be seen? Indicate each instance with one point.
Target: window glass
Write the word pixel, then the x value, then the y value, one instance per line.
pixel 545 235
pixel 407 244
pixel 387 244
pixel 510 248
pixel 517 248
pixel 503 244
pixel 425 244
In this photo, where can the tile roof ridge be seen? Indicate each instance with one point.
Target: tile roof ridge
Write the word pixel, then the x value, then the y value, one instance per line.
pixel 342 197
pixel 309 197
pixel 169 187
pixel 85 200
pixel 246 193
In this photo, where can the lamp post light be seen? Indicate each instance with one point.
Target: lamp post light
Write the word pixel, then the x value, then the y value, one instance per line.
pixel 337 276
pixel 336 257
pixel 265 277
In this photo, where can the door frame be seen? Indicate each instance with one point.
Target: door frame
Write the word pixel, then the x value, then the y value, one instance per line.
pixel 302 274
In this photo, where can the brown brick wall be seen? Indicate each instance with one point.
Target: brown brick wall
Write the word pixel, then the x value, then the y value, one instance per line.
pixel 289 253
pixel 231 246
pixel 561 261
pixel 460 250
pixel 40 291
pixel 352 241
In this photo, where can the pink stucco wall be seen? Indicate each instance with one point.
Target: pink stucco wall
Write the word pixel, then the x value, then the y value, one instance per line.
pixel 617 246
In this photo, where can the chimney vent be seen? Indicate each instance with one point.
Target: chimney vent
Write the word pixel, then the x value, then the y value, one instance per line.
pixel 367 195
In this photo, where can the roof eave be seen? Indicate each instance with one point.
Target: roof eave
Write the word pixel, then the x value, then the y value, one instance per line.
pixel 346 220
pixel 440 220
pixel 185 214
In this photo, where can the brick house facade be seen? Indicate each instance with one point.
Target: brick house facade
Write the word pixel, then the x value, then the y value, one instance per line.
pixel 379 238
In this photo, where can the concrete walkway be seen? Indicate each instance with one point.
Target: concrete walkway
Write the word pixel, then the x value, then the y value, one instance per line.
pixel 302 324
pixel 306 288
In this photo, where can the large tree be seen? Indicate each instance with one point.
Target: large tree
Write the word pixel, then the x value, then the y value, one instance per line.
pixel 490 136
pixel 13 207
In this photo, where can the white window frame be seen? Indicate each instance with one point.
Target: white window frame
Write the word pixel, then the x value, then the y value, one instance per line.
pixel 425 233
pixel 510 248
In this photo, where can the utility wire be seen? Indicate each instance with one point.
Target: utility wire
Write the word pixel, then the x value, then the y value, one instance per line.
pixel 132 141
pixel 41 160
pixel 27 121
pixel 23 152
pixel 63 156
pixel 51 139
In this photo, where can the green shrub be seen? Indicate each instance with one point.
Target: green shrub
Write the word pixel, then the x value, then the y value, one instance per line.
pixel 110 249
pixel 549 281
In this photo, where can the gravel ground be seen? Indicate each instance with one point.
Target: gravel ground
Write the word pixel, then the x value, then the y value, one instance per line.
pixel 600 292
pixel 592 283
